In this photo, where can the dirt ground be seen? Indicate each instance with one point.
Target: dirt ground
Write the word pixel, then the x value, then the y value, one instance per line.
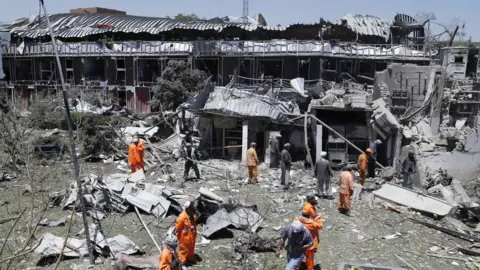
pixel 358 239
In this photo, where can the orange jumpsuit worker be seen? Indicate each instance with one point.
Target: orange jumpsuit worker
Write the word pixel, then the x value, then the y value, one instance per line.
pixel 252 163
pixel 346 190
pixel 309 206
pixel 362 165
pixel 313 223
pixel 169 258
pixel 136 151
pixel 186 227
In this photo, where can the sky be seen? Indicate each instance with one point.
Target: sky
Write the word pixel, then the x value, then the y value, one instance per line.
pixel 282 12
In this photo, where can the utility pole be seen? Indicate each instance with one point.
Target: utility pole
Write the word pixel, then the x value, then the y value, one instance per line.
pixel 72 141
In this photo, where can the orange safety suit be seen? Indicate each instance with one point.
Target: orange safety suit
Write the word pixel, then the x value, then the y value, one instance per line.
pixel 313 225
pixel 310 209
pixel 166 259
pixel 252 162
pixel 186 234
pixel 135 156
pixel 362 165
pixel 346 189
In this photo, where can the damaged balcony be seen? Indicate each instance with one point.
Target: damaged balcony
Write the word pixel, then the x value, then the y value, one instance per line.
pixel 226 48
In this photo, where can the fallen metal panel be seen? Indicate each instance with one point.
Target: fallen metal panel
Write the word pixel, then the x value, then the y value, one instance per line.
pixel 244 218
pixel 207 193
pixel 216 222
pixel 413 199
pixel 52 245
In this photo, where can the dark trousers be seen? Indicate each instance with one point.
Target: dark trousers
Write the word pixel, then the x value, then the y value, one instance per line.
pixel 188 165
pixel 274 160
pixel 371 167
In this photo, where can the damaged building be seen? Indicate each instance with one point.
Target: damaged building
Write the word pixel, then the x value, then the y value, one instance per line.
pixel 123 55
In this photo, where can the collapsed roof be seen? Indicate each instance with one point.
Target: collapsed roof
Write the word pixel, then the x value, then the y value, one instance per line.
pixel 65 25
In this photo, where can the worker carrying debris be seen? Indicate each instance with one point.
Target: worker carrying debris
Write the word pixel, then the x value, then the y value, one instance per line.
pixel 136 152
pixel 275 151
pixel 252 163
pixel 299 239
pixel 362 165
pixel 346 190
pixel 323 173
pixel 169 257
pixel 372 160
pixel 285 166
pixel 409 168
pixel 313 223
pixel 186 228
pixel 191 155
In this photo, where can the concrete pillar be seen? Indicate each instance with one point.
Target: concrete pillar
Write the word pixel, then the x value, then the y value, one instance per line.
pixel 244 141
pixel 267 146
pixel 318 141
pixel 436 107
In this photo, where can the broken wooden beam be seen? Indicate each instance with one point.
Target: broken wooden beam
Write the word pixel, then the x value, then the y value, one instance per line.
pixel 460 235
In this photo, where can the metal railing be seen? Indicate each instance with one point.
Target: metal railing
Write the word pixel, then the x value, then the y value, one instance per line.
pixel 225 48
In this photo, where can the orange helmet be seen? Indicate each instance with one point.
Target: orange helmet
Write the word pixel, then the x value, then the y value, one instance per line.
pixel 368 150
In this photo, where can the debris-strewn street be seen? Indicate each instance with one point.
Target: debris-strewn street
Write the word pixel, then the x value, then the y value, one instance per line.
pixel 376 233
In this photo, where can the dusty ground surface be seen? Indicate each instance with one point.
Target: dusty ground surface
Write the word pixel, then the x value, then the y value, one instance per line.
pixel 356 239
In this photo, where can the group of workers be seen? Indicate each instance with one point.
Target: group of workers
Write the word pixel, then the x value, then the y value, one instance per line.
pixel 186 234
pixel 276 157
pixel 302 237
pixel 302 233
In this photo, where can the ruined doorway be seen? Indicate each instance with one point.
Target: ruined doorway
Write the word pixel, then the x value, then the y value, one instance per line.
pixel 472 63
pixel 23 70
pixel 210 66
pixel 93 69
pixel 148 71
pixel 304 68
pixel 246 68
pixel 270 67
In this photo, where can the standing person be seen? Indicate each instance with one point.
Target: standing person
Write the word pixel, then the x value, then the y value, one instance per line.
pixel 409 168
pixel 323 173
pixel 285 165
pixel 136 151
pixel 275 151
pixel 372 160
pixel 191 156
pixel 346 190
pixel 313 225
pixel 252 163
pixel 169 258
pixel 299 239
pixel 186 227
pixel 373 147
pixel 362 165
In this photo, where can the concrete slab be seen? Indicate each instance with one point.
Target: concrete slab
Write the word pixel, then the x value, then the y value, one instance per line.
pixel 413 200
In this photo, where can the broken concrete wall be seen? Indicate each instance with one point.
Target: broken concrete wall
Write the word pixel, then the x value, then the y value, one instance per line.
pixel 454 59
pixel 408 78
pixel 462 165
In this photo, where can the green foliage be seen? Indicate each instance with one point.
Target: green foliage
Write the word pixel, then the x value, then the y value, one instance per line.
pixel 186 17
pixel 96 139
pixel 177 83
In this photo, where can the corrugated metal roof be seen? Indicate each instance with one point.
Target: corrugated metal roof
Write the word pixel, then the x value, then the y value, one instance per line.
pixel 239 103
pixel 368 25
pixel 84 24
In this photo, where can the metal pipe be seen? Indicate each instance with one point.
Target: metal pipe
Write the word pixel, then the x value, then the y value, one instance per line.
pixel 72 141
